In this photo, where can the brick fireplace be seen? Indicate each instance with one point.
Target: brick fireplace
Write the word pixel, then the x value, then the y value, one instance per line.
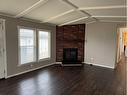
pixel 70 36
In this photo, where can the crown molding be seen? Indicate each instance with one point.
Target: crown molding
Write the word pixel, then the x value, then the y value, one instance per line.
pixel 110 16
pixel 102 7
pixel 113 21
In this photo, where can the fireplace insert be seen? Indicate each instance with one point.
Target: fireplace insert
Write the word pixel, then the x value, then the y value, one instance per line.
pixel 70 56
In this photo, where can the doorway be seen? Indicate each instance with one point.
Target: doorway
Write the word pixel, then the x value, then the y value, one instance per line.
pixel 125 41
pixel 3 70
pixel 121 43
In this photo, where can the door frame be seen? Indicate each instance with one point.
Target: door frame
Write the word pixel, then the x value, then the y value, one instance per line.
pixel 4 48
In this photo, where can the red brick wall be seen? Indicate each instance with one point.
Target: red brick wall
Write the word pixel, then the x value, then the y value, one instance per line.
pixel 70 36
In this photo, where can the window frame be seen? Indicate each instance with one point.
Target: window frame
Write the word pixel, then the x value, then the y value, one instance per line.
pixel 19 49
pixel 48 58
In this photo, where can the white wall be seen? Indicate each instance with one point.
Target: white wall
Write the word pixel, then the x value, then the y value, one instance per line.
pixel 101 43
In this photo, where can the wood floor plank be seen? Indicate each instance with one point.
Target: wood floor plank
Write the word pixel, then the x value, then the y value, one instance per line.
pixel 57 80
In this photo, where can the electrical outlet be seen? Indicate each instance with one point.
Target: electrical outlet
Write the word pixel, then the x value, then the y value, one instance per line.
pixel 92 60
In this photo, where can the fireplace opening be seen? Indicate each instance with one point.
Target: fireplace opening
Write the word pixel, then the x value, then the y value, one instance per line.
pixel 70 54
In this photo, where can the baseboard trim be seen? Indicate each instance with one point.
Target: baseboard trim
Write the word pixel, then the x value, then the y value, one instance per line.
pixel 58 63
pixel 99 65
pixel 28 71
pixel 71 64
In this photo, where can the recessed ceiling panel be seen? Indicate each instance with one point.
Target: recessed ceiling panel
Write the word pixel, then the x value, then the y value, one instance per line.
pixel 68 17
pixel 94 3
pixel 50 9
pixel 13 7
pixel 108 12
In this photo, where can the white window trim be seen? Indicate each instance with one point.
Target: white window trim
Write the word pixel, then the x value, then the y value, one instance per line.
pixel 19 54
pixel 44 59
pixel 5 52
pixel 36 51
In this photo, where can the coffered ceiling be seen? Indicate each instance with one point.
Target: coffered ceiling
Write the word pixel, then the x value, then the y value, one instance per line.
pixel 63 12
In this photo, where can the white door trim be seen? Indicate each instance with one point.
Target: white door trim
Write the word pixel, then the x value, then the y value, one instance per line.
pixel 4 50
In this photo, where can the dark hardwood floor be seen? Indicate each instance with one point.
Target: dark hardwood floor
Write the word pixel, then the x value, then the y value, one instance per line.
pixel 57 80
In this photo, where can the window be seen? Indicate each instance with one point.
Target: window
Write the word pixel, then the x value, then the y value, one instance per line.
pixel 44 45
pixel 32 47
pixel 27 45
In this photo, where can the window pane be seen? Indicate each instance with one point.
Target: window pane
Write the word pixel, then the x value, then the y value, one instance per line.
pixel 27 55
pixel 44 44
pixel 27 46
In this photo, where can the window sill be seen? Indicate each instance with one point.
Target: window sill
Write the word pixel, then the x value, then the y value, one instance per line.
pixel 45 59
pixel 25 64
pixel 30 63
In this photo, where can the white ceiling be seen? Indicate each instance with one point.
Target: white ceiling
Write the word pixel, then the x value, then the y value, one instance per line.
pixel 62 12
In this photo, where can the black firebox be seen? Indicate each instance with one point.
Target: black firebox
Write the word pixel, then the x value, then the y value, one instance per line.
pixel 70 56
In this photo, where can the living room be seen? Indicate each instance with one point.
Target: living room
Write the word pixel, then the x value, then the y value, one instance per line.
pixel 61 47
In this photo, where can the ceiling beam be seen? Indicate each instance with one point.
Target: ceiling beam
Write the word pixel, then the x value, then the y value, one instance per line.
pixel 75 7
pixel 102 7
pixel 110 16
pixel 57 16
pixel 37 4
pixel 67 12
pixel 88 8
pixel 82 18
